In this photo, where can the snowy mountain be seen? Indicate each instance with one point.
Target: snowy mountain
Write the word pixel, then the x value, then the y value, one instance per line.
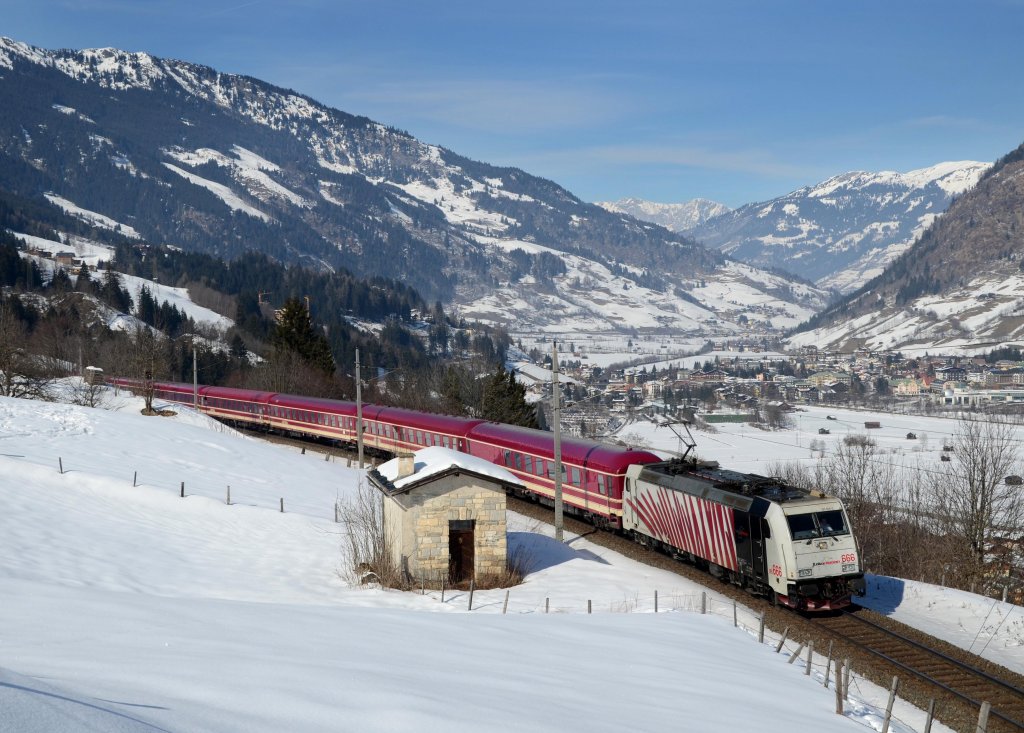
pixel 675 217
pixel 173 153
pixel 843 231
pixel 957 288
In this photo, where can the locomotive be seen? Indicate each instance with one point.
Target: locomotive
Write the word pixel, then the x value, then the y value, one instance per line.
pixel 789 544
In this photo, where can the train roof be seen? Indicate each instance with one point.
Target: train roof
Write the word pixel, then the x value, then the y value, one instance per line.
pixel 675 473
pixel 234 393
pixel 541 442
pixel 447 424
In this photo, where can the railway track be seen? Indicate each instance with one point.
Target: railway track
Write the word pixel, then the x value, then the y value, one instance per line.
pixel 953 679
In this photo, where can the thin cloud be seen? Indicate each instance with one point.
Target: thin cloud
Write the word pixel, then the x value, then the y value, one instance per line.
pixel 947 122
pixel 471 104
pixel 752 162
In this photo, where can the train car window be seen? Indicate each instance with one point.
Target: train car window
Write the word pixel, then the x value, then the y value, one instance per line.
pixel 600 484
pixel 576 477
pixel 529 464
pixel 519 461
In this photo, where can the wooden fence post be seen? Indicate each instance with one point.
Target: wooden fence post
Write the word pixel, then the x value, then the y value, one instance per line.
pixel 227 499
pixel 760 630
pixel 986 707
pixel 336 521
pixel 588 605
pixel 847 670
pixel 655 600
pixel 839 687
pixel 135 479
pixel 785 633
pixel 282 505
pixel 182 489
pixel 735 622
pixel 793 657
pixel 810 656
pixel 888 707
pixel 60 465
pixel 504 609
pixel 472 587
pixel 931 716
pixel 703 602
pixel 547 604
pixel 442 594
pixel 828 663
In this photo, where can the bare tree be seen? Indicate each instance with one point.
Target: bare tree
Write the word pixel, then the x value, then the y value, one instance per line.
pixel 368 545
pixel 146 361
pixel 22 373
pixel 88 392
pixel 976 507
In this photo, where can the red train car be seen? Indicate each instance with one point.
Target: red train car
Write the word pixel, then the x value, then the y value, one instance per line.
pixel 594 473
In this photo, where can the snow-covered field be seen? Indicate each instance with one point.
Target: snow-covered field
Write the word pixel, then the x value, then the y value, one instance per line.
pixel 128 608
pixel 748 448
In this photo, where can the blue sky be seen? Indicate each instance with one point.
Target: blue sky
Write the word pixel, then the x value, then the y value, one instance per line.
pixel 733 101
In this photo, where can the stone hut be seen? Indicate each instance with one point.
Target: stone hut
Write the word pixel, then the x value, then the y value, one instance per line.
pixel 444 513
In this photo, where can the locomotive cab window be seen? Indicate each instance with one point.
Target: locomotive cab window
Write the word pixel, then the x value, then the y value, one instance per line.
pixel 817 524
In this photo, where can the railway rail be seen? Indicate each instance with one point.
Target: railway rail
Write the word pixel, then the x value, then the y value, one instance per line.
pixel 953 678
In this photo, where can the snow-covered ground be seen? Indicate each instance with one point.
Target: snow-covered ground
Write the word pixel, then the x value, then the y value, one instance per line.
pixel 128 608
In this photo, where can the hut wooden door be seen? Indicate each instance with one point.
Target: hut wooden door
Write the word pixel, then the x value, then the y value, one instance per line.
pixel 460 549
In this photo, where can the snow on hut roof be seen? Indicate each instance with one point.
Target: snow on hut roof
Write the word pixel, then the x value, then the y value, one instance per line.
pixel 436 459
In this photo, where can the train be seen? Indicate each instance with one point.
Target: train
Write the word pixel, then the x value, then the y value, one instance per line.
pixel 791 545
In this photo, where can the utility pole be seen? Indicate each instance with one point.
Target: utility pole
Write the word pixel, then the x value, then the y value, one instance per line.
pixel 195 376
pixel 556 415
pixel 359 411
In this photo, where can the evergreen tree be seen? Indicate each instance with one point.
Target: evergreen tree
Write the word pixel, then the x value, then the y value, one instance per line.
pixel 113 294
pixel 84 283
pixel 504 400
pixel 61 282
pixel 295 333
pixel 146 311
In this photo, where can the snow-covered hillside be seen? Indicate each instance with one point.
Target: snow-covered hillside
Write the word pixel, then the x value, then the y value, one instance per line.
pixel 843 231
pixel 128 608
pixel 677 217
pixel 589 299
pixel 983 314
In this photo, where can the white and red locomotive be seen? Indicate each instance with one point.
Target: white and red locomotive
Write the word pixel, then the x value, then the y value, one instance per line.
pixel 792 545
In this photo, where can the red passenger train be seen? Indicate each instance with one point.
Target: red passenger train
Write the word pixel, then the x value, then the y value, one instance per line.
pixel 593 473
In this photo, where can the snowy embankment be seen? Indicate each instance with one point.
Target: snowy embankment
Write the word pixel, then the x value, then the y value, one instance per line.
pixel 128 608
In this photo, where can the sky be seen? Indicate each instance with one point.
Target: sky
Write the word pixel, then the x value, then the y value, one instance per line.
pixel 663 100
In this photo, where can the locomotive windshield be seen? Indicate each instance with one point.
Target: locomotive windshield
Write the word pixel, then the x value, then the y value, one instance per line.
pixel 817 524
